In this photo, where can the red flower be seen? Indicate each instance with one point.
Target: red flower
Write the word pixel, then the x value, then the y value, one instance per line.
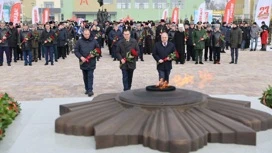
pixel 134 52
pixel 98 50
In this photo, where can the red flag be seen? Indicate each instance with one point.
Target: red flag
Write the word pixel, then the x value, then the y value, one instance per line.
pixel 46 13
pixel 175 15
pixel 229 11
pixel 15 13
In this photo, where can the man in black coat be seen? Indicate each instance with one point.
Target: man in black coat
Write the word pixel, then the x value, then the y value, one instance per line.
pixel 124 48
pixel 47 38
pixel 4 36
pixel 160 29
pixel 62 37
pixel 25 41
pixel 82 51
pixel 161 53
pixel 189 42
pixel 12 41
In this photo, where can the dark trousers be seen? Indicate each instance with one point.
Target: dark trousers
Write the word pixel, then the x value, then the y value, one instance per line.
pixel 27 56
pixel 190 53
pixel 208 50
pixel 56 54
pixel 7 52
pixel 88 79
pixel 113 51
pixel 62 52
pixel 198 55
pixel 15 53
pixel 127 78
pixel 67 49
pixel 20 53
pixel 141 56
pixel 181 58
pixel 216 54
pixel 164 74
pixel 227 45
pixel 40 55
pixel 48 51
pixel 35 54
pixel 234 52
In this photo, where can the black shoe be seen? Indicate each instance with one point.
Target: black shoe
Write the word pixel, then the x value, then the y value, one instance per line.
pixel 36 60
pixel 214 62
pixel 201 63
pixel 205 59
pixel 15 61
pixel 90 94
pixel 30 64
pixel 142 59
pixel 52 63
pixel 25 65
pixel 231 62
pixel 86 92
pixel 56 60
pixel 196 62
pixel 1 64
pixel 176 62
pixel 211 60
pixel 9 64
pixel 46 64
pixel 114 59
pixel 254 49
pixel 251 49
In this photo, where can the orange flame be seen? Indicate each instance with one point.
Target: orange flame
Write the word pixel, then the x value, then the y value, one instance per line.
pixel 180 81
pixel 205 77
pixel 162 84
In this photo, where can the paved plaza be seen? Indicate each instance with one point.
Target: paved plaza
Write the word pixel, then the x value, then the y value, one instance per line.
pixel 249 77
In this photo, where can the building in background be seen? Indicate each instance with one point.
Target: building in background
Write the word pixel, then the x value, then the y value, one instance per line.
pixel 27 6
pixel 54 8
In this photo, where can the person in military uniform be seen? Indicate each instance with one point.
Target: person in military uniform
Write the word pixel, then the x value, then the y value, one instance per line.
pixel 5 34
pixel 40 29
pixel 147 32
pixel 25 42
pixel 35 43
pixel 139 37
pixel 160 29
pixel 199 36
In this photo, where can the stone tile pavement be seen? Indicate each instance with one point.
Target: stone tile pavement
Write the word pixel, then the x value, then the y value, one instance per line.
pixel 249 77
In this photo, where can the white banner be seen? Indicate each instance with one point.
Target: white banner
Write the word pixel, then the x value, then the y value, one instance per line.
pixel 35 15
pixel 201 13
pixel 263 11
pixel 1 9
pixel 165 14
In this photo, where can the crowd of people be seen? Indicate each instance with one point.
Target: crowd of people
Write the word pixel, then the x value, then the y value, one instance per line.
pixel 127 43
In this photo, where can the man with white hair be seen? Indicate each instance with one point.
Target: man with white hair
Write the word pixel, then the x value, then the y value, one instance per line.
pixel 161 53
pixel 179 41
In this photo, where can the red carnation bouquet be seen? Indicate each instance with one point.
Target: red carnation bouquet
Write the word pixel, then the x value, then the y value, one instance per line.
pixel 6 35
pixel 95 53
pixel 130 56
pixel 49 39
pixel 221 39
pixel 99 34
pixel 114 40
pixel 172 56
pixel 57 33
pixel 27 37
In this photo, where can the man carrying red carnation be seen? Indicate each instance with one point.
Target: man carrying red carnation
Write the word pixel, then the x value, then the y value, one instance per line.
pixel 127 52
pixel 84 51
pixel 161 53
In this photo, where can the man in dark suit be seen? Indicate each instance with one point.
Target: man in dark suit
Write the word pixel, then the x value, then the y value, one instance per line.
pixel 124 48
pixel 82 51
pixel 161 53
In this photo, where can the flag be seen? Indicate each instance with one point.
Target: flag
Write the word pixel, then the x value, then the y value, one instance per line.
pixel 15 13
pixel 263 12
pixel 35 15
pixel 201 12
pixel 45 15
pixel 208 16
pixel 165 14
pixel 175 15
pixel 229 11
pixel 1 9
